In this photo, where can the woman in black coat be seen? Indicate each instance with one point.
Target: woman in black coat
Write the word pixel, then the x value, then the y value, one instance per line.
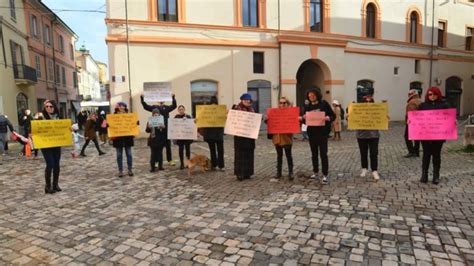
pixel 52 156
pixel 214 136
pixel 244 147
pixel 156 142
pixel 432 148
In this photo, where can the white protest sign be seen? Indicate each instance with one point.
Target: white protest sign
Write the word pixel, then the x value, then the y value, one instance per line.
pixel 243 124
pixel 179 128
pixel 156 121
pixel 157 91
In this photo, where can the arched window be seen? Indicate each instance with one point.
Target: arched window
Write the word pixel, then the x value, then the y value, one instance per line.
pixel 414 27
pixel 370 21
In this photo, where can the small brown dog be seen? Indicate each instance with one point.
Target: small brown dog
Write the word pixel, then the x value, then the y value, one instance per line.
pixel 198 160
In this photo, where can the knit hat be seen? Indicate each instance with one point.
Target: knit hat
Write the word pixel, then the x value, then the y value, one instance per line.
pixel 75 127
pixel 155 111
pixel 117 105
pixel 335 102
pixel 102 112
pixel 246 96
pixel 412 92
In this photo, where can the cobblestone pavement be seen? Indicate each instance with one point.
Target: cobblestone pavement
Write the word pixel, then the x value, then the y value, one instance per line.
pixel 170 218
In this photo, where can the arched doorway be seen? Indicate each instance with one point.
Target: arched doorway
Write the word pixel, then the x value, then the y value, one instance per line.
pixel 311 73
pixel 21 105
pixel 261 95
pixel 201 93
pixel 453 93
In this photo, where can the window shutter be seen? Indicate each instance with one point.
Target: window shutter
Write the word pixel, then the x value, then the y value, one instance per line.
pixel 31 26
pixel 12 49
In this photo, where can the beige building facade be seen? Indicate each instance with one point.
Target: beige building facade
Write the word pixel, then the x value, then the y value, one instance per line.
pixel 271 48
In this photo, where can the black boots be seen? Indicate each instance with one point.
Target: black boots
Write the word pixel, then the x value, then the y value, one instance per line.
pixel 436 174
pixel 56 187
pixel 290 167
pixel 424 176
pixel 47 178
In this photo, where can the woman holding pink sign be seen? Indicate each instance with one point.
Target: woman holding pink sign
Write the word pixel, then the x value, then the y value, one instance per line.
pixel 432 148
pixel 318 116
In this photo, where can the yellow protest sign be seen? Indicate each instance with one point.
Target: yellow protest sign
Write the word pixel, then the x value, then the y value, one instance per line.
pixel 121 125
pixel 211 115
pixel 51 133
pixel 369 116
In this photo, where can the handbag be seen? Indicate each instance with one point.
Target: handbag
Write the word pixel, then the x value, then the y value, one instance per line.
pixel 104 124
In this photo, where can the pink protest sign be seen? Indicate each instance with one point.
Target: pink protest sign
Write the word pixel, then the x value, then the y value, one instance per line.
pixel 315 118
pixel 432 125
pixel 283 120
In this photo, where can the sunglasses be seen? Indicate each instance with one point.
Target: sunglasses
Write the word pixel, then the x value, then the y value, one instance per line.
pixel 49 106
pixel 283 102
pixel 431 94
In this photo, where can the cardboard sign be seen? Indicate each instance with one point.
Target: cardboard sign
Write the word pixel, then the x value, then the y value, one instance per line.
pixel 432 125
pixel 179 128
pixel 211 115
pixel 283 120
pixel 157 92
pixel 243 124
pixel 368 116
pixel 315 118
pixel 121 125
pixel 156 121
pixel 51 133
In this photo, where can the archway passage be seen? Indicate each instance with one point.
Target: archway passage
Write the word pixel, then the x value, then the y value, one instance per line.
pixel 453 93
pixel 311 73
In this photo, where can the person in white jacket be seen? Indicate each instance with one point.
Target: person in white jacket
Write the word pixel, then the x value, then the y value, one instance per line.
pixel 76 140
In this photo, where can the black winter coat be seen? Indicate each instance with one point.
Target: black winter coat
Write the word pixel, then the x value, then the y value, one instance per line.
pixel 165 110
pixel 159 139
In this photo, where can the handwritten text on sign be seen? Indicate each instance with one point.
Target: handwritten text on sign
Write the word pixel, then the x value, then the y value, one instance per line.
pixel 51 133
pixel 156 121
pixel 211 115
pixel 179 128
pixel 315 118
pixel 283 120
pixel 243 124
pixel 432 125
pixel 368 116
pixel 157 92
pixel 121 125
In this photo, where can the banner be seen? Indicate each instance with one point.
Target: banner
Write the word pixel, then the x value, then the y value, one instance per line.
pixel 51 133
pixel 157 92
pixel 211 115
pixel 156 121
pixel 121 125
pixel 432 125
pixel 179 128
pixel 283 120
pixel 315 118
pixel 243 124
pixel 368 116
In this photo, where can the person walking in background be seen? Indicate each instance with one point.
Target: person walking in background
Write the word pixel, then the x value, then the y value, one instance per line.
pixel 123 143
pixel 432 148
pixel 318 135
pixel 156 142
pixel 81 119
pixel 283 142
pixel 5 125
pixel 183 143
pixel 368 141
pixel 244 147
pixel 90 135
pixel 37 116
pixel 102 127
pixel 52 156
pixel 336 124
pixel 304 127
pixel 76 138
pixel 413 104
pixel 165 111
pixel 25 123
pixel 214 136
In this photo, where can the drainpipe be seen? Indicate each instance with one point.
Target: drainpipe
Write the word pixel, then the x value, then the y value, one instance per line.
pixel 432 43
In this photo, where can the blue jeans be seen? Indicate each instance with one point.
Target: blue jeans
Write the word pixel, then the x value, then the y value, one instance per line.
pixel 128 152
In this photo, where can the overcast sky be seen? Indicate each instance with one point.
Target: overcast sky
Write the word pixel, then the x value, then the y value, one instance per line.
pixel 89 26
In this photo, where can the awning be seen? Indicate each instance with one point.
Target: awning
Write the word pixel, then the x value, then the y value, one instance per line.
pixel 94 104
pixel 77 106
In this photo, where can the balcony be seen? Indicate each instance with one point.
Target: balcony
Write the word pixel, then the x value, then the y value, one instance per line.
pixel 24 75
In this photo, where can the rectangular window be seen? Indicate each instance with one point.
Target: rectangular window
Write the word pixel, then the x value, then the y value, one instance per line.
pixel 12 9
pixel 469 39
pixel 167 10
pixel 50 70
pixel 57 74
pixel 417 66
pixel 258 62
pixel 250 13
pixel 74 79
pixel 316 11
pixel 40 103
pixel 47 34
pixel 38 66
pixel 17 53
pixel 63 74
pixel 61 43
pixel 71 50
pixel 441 32
pixel 395 70
pixel 34 26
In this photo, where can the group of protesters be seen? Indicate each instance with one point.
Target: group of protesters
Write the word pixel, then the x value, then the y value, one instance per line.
pixel 368 140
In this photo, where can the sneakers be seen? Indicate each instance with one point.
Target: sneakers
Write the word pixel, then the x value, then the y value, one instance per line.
pixel 363 173
pixel 314 175
pixel 130 173
pixel 376 175
pixel 325 180
pixel 171 163
pixel 120 174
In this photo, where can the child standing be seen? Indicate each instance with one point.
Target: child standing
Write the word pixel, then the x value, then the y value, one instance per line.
pixel 76 140
pixel 156 141
pixel 183 143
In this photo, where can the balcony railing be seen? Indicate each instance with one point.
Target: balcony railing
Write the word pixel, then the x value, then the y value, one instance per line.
pixel 24 74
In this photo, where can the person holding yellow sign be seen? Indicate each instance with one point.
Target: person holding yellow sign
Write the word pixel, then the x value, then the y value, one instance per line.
pixel 123 143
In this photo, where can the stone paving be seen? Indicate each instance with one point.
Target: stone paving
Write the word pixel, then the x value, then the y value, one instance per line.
pixel 168 218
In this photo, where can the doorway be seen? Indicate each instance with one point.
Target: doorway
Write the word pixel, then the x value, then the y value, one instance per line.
pixel 261 96
pixel 453 93
pixel 311 74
